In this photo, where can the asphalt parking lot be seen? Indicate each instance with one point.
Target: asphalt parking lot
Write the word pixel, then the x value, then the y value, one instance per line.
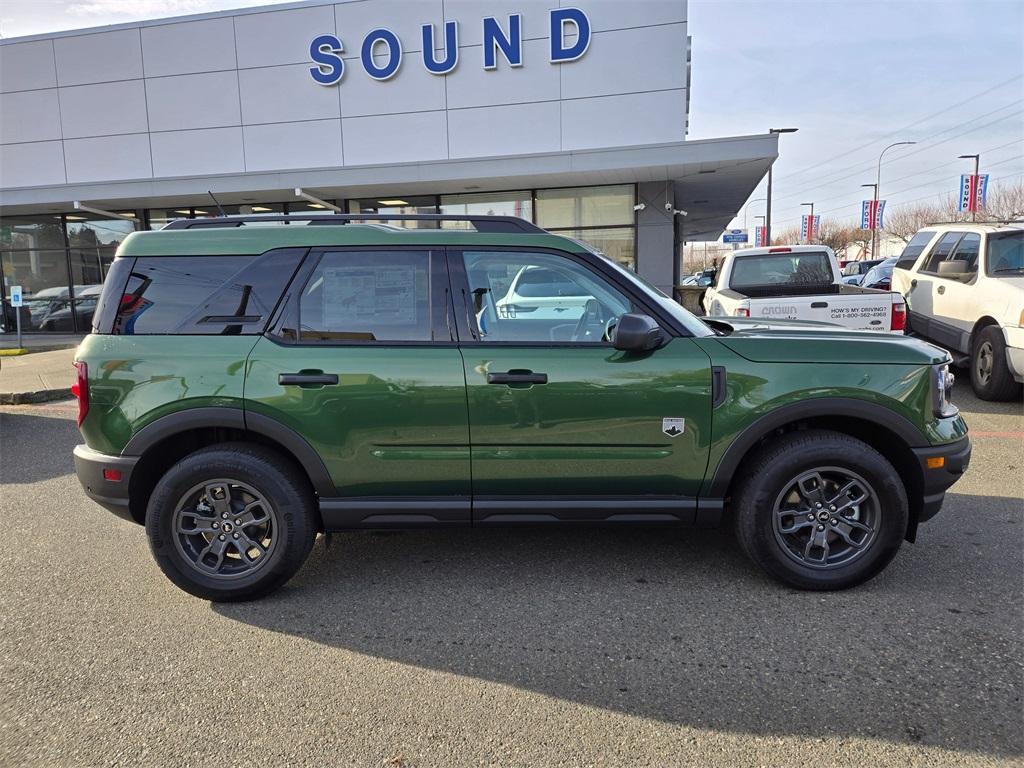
pixel 547 648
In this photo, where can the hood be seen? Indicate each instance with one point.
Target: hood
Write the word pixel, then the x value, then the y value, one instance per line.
pixel 801 341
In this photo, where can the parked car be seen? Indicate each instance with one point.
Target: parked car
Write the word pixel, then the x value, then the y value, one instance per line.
pixel 799 282
pixel 247 387
pixel 964 285
pixel 879 276
pixel 854 271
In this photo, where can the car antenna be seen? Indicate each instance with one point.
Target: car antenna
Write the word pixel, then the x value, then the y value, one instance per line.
pixel 215 201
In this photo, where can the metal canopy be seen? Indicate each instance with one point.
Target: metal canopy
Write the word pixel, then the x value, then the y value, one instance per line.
pixel 711 179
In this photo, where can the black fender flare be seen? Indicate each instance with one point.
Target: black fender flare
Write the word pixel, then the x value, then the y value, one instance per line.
pixel 849 407
pixel 236 418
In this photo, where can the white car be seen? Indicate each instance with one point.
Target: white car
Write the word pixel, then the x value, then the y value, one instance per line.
pixel 799 282
pixel 964 285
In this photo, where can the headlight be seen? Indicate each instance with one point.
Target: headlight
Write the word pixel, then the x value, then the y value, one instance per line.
pixel 942 391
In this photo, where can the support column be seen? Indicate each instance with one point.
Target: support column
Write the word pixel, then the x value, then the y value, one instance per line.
pixel 656 249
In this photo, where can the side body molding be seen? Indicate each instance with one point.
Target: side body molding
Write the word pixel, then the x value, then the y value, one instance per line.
pixel 235 418
pixel 807 409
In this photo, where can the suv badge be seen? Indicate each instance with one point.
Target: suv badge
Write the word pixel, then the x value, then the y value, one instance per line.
pixel 673 427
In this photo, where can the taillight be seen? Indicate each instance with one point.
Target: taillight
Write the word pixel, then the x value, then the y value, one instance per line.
pixel 741 312
pixel 80 389
pixel 899 317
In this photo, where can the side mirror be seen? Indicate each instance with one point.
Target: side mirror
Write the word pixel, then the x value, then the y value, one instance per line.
pixel 637 333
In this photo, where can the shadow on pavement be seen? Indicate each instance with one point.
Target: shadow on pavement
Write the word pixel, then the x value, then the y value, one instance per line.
pixel 35 448
pixel 675 626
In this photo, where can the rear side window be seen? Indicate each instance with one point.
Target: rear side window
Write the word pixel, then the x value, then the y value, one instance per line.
pixel 914 249
pixel 224 295
pixel 372 296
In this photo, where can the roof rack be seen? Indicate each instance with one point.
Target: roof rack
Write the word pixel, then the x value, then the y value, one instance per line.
pixel 988 222
pixel 494 224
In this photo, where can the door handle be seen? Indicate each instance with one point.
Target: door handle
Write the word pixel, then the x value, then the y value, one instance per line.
pixel 941 289
pixel 913 283
pixel 517 377
pixel 307 378
pixel 819 304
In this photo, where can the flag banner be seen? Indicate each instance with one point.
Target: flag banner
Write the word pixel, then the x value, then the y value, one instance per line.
pixel 871 214
pixel 809 226
pixel 973 190
pixel 759 237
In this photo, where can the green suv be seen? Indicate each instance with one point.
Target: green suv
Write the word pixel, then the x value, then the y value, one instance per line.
pixel 246 387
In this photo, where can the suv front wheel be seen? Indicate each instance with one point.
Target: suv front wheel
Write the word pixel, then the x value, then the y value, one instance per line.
pixel 231 522
pixel 820 510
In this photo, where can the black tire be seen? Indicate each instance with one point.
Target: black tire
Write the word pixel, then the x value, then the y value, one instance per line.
pixel 256 478
pixel 775 468
pixel 990 371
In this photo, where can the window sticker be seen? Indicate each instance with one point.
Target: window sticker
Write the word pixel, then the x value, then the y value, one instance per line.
pixel 360 296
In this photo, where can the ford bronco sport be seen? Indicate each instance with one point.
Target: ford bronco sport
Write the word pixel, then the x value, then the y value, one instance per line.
pixel 245 388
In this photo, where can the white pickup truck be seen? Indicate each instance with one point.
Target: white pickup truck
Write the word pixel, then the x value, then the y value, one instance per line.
pixel 799 282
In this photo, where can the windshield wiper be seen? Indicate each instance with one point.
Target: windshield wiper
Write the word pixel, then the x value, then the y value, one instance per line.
pixel 1007 269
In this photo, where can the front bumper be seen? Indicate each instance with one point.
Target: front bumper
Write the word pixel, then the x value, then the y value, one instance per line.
pixel 941 466
pixel 110 494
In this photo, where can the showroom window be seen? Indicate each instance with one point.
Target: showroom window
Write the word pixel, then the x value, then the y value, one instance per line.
pixel 406 204
pixel 60 262
pixel 488 204
pixel 602 217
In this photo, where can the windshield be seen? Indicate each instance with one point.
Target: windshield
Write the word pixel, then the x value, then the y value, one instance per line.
pixel 689 321
pixel 1006 254
pixel 791 268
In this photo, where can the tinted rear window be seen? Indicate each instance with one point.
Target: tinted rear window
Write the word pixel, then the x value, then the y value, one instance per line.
pixel 913 249
pixel 229 295
pixel 788 268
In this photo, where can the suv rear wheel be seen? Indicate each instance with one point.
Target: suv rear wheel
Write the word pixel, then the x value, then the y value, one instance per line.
pixel 231 522
pixel 990 373
pixel 820 510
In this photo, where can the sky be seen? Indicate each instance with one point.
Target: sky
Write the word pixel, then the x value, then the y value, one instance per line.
pixel 852 76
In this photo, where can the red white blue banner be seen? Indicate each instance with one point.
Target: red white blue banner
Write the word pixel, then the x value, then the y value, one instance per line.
pixel 809 226
pixel 759 237
pixel 973 190
pixel 871 212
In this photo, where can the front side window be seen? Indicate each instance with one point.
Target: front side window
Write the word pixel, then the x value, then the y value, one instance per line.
pixel 540 297
pixel 371 296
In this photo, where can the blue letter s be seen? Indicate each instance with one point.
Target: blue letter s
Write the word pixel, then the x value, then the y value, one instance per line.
pixel 559 18
pixel 324 52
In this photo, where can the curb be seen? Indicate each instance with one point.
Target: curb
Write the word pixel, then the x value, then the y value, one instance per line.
pixel 38 396
pixel 13 352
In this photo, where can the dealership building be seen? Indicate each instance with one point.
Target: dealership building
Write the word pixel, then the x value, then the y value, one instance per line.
pixel 572 114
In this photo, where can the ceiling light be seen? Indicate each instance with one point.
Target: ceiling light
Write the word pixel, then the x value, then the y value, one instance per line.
pixel 197 212
pixel 260 209
pixel 392 202
pixel 315 205
pixel 73 218
pixel 184 212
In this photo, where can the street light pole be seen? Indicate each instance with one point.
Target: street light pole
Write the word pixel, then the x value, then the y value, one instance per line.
pixel 810 224
pixel 768 206
pixel 878 186
pixel 874 196
pixel 746 208
pixel 977 163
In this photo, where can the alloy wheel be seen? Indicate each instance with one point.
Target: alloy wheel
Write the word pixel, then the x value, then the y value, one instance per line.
pixel 826 517
pixel 225 528
pixel 983 362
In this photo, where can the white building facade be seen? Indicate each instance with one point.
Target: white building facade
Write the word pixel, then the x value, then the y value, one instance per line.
pixel 572 114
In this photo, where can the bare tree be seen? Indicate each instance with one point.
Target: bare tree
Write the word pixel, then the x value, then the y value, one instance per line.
pixel 1004 203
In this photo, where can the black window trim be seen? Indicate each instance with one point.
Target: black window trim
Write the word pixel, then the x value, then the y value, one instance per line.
pixel 460 292
pixel 288 308
pixel 937 242
pixel 925 250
